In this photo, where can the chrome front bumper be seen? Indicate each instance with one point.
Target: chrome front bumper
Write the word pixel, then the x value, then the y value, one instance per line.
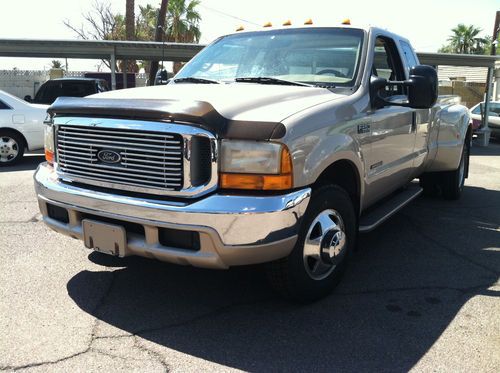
pixel 233 230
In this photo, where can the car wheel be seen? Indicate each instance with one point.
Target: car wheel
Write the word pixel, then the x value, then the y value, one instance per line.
pixel 11 148
pixel 326 239
pixel 452 182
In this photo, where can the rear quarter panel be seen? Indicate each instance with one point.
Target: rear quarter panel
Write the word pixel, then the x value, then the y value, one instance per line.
pixel 453 122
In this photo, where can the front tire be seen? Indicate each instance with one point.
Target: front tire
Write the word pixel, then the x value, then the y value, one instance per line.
pixel 327 238
pixel 11 148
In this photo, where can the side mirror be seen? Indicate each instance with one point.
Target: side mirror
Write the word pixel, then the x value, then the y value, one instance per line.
pixel 28 98
pixel 422 88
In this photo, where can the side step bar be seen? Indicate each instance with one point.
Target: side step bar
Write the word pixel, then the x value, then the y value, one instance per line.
pixel 392 204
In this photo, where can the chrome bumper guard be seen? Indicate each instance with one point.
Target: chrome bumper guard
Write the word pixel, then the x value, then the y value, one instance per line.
pixel 234 230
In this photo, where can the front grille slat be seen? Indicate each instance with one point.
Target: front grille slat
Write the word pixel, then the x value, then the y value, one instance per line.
pixel 80 134
pixel 71 161
pixel 150 160
pixel 133 133
pixel 80 144
pixel 97 142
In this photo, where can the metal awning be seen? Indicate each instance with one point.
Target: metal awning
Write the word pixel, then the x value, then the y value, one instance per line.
pixel 450 59
pixel 98 49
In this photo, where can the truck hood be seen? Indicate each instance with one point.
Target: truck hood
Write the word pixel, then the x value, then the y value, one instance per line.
pixel 237 101
pixel 240 110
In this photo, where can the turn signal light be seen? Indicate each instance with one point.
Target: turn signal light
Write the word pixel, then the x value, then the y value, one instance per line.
pixel 282 181
pixel 49 156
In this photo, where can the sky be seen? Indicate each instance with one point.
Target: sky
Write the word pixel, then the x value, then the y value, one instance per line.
pixel 427 23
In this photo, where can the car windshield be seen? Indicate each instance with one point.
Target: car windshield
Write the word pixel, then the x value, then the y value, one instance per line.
pixel 318 56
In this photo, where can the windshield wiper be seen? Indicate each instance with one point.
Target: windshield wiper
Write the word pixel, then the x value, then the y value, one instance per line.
pixel 270 80
pixel 192 79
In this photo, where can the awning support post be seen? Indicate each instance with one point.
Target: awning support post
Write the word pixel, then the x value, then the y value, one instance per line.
pixel 113 70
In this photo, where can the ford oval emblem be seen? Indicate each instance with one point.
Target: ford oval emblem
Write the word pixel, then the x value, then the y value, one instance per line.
pixel 109 156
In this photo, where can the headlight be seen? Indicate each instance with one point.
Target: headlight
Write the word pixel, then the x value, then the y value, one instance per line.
pixel 255 165
pixel 49 141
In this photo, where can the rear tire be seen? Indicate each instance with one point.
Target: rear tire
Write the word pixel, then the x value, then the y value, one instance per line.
pixel 449 184
pixel 11 148
pixel 327 238
pixel 452 182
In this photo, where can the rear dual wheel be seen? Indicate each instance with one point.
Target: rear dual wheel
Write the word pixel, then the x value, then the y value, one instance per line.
pixel 326 239
pixel 449 183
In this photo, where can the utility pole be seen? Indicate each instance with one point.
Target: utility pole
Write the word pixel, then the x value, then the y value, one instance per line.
pixel 489 79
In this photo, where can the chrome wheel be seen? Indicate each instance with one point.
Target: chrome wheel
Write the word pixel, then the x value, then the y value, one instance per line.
pixel 9 149
pixel 325 244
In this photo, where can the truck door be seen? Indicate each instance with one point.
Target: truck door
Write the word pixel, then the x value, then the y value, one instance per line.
pixel 422 125
pixel 392 136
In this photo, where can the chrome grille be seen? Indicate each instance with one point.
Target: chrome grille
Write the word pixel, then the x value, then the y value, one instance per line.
pixel 148 159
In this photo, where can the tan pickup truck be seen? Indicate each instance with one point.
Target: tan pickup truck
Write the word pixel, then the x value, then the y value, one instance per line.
pixel 276 146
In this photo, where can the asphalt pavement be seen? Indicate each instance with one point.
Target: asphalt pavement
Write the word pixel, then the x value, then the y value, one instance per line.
pixel 422 293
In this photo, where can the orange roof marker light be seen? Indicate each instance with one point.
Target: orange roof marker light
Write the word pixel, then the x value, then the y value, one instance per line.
pixel 308 21
pixel 268 24
pixel 346 21
pixel 240 28
pixel 287 23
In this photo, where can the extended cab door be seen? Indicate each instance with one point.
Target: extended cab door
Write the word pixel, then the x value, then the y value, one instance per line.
pixel 388 157
pixel 423 127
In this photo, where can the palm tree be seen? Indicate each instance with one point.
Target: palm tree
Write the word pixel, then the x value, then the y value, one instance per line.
pixel 465 40
pixel 183 21
pixel 159 36
pixel 129 20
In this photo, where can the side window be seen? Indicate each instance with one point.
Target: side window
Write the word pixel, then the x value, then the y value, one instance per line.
pixel 4 106
pixel 387 64
pixel 411 61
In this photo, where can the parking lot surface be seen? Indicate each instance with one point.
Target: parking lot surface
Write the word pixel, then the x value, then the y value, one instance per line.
pixel 421 293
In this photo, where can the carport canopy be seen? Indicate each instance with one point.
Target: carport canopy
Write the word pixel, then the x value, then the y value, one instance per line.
pixel 99 49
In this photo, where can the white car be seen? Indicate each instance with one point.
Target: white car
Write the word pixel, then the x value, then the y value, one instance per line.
pixel 21 127
pixel 493 117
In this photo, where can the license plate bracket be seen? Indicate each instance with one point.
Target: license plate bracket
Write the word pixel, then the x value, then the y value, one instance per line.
pixel 103 237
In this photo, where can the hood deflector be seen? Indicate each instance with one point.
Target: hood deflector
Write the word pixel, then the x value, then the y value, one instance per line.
pixel 197 113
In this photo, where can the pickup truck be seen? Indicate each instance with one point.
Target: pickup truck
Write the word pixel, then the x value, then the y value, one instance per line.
pixel 275 146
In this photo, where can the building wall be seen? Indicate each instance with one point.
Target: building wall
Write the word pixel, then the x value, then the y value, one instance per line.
pixel 471 93
pixel 22 82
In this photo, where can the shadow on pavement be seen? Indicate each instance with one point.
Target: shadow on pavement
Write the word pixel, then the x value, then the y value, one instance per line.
pixel 402 290
pixel 28 162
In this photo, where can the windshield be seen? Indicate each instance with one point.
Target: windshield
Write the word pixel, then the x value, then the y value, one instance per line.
pixel 319 56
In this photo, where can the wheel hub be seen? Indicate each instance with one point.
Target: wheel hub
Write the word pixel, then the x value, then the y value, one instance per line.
pixel 8 149
pixel 332 246
pixel 325 244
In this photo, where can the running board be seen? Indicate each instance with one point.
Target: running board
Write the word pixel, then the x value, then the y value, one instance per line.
pixel 389 207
